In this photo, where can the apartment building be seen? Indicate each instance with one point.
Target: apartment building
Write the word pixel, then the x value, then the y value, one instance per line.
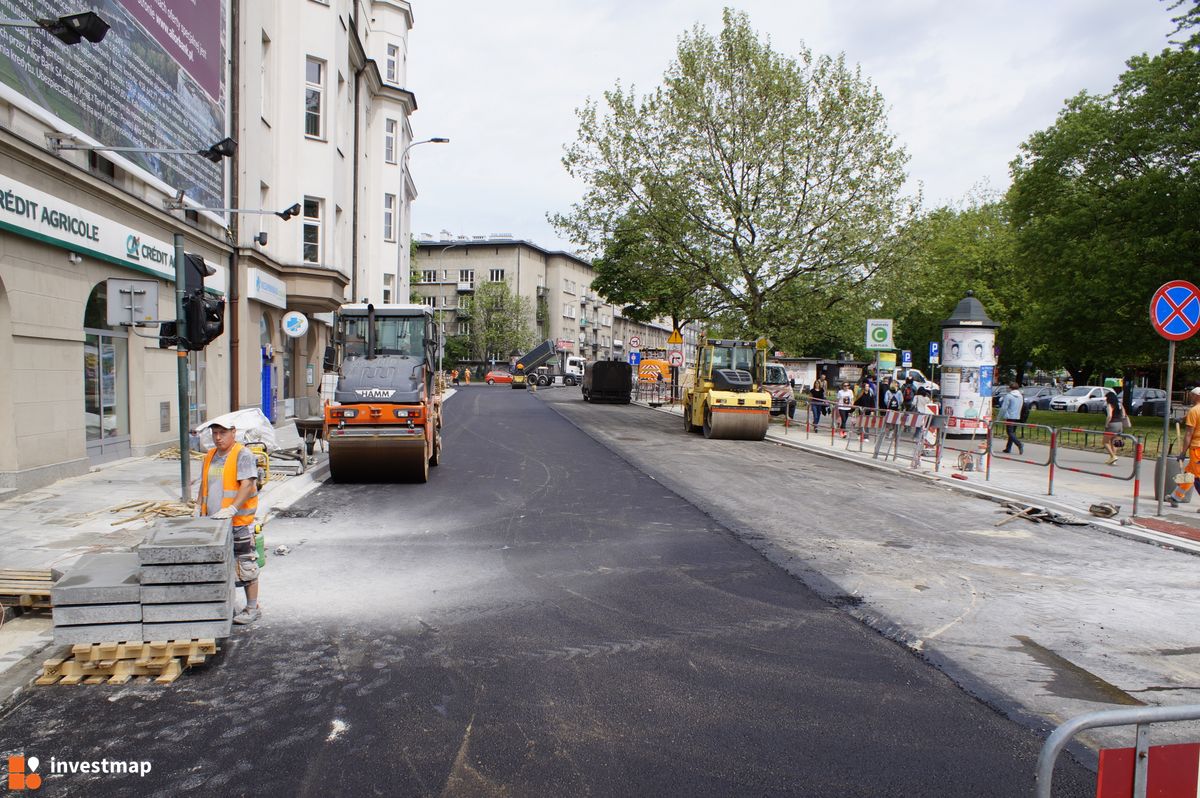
pixel 558 285
pixel 314 93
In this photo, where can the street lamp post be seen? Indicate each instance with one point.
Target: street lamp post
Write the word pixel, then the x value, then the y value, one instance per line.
pixel 400 197
pixel 68 29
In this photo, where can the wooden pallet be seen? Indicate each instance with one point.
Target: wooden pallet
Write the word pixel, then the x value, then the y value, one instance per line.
pixel 25 588
pixel 117 663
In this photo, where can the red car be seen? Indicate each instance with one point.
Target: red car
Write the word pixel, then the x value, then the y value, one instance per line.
pixel 494 377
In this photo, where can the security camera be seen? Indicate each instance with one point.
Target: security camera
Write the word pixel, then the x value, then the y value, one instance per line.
pixel 261 239
pixel 288 213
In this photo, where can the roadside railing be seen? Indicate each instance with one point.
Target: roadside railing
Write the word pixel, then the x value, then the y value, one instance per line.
pixel 1141 718
pixel 1090 438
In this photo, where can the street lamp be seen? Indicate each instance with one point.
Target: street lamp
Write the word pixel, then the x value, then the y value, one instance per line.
pixel 68 29
pixel 225 148
pixel 400 195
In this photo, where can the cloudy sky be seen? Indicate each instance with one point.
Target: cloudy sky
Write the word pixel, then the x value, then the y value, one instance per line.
pixel 966 80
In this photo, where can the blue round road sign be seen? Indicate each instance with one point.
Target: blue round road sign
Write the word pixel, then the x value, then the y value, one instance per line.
pixel 1175 310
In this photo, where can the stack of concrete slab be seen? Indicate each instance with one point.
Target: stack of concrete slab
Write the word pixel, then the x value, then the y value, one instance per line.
pixel 99 599
pixel 187 574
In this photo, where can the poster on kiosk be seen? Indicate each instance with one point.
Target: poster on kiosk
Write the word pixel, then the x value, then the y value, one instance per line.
pixel 968 366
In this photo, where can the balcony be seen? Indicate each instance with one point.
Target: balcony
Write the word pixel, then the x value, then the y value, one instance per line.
pixel 461 312
pixel 542 291
pixel 583 322
pixel 466 288
pixel 584 299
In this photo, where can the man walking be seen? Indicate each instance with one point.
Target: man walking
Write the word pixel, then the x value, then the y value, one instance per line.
pixel 229 489
pixel 1190 447
pixel 1010 411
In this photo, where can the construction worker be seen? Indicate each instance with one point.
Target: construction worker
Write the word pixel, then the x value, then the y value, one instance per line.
pixel 229 489
pixel 1189 447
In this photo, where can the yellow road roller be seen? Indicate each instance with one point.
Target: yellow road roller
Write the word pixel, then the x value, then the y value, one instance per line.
pixel 726 398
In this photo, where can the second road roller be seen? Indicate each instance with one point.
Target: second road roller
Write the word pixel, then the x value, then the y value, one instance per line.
pixel 384 421
pixel 726 398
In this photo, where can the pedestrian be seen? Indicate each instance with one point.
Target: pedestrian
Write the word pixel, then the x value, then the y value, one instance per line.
pixel 921 408
pixel 818 400
pixel 908 393
pixel 1010 412
pixel 1189 449
pixel 454 377
pixel 229 489
pixel 845 402
pixel 1114 425
pixel 467 376
pixel 891 398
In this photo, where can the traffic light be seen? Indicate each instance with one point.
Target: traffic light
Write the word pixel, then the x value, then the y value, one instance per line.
pixel 168 335
pixel 205 317
pixel 194 272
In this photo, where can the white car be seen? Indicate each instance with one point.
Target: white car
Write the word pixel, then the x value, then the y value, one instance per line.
pixel 1081 399
pixel 918 378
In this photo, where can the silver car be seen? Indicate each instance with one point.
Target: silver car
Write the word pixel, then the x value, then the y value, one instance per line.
pixel 1081 399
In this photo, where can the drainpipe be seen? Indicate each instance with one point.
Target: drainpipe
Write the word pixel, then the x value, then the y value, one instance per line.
pixel 354 173
pixel 235 165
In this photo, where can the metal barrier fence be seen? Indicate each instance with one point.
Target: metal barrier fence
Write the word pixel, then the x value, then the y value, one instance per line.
pixel 653 393
pixel 1141 718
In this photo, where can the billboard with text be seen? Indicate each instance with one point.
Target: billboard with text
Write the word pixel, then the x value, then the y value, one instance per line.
pixel 157 80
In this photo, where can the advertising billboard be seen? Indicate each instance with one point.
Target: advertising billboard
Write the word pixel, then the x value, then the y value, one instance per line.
pixel 158 80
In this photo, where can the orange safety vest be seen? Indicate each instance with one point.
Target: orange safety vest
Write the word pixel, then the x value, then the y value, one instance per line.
pixel 229 488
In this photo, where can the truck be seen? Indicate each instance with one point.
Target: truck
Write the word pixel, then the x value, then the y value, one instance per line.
pixel 563 367
pixel 544 364
pixel 384 420
pixel 607 381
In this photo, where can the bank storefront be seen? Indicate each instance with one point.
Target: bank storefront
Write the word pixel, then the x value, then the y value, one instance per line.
pixel 81 391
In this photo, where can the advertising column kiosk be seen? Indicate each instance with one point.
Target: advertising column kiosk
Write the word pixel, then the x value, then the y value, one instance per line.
pixel 969 367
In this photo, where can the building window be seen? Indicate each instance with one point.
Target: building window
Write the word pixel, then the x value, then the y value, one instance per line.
pixel 568 311
pixel 264 77
pixel 466 276
pixel 389 141
pixel 429 276
pixel 389 217
pixel 464 328
pixel 393 64
pixel 496 275
pixel 312 230
pixel 314 82
pixel 429 301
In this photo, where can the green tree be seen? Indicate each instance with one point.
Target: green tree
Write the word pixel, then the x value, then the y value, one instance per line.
pixel 769 185
pixel 1106 204
pixel 458 350
pixel 500 322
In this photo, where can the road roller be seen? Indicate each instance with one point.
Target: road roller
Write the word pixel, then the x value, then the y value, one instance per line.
pixel 726 398
pixel 384 421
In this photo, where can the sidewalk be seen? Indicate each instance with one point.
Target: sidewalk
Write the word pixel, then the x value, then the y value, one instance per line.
pixel 52 526
pixel 1024 479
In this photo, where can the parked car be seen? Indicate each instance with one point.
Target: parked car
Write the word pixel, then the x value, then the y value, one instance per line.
pixel 1148 402
pixel 1036 397
pixel 496 375
pixel 1081 399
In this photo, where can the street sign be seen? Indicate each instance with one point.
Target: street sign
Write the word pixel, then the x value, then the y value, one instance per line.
pixel 634 342
pixel 635 358
pixel 675 358
pixel 1175 310
pixel 906 358
pixel 935 352
pixel 879 334
pixel 675 338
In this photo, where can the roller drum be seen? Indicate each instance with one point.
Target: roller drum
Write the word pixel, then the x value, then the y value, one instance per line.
pixel 736 426
pixel 366 457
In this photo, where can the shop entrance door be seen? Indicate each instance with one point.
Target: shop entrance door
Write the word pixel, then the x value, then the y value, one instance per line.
pixel 106 394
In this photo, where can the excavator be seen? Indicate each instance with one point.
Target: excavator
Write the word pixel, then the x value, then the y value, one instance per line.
pixel 726 398
pixel 384 421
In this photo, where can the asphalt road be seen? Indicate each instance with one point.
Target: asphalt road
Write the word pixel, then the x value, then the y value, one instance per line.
pixel 540 619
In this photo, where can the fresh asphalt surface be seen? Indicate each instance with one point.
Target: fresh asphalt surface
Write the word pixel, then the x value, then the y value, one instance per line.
pixel 540 619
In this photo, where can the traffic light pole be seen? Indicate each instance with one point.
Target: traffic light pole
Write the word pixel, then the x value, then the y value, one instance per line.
pixel 185 453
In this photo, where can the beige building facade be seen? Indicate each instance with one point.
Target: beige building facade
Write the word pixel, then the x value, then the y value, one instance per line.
pixel 558 286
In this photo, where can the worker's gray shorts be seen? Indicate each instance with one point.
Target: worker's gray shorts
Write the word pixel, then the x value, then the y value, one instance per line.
pixel 243 546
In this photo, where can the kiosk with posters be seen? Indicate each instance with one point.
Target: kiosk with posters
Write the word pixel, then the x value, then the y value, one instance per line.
pixel 968 367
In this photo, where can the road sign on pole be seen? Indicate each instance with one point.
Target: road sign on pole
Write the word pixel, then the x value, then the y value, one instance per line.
pixel 935 352
pixel 879 334
pixel 906 358
pixel 676 337
pixel 634 342
pixel 1175 315
pixel 635 358
pixel 675 358
pixel 1175 310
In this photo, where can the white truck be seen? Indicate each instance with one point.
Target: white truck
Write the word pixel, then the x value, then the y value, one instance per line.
pixel 563 368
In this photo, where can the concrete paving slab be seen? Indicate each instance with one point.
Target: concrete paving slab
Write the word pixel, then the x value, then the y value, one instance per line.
pixel 187 630
pixel 178 594
pixel 185 573
pixel 86 614
pixel 98 633
pixel 100 578
pixel 186 540
pixel 194 611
